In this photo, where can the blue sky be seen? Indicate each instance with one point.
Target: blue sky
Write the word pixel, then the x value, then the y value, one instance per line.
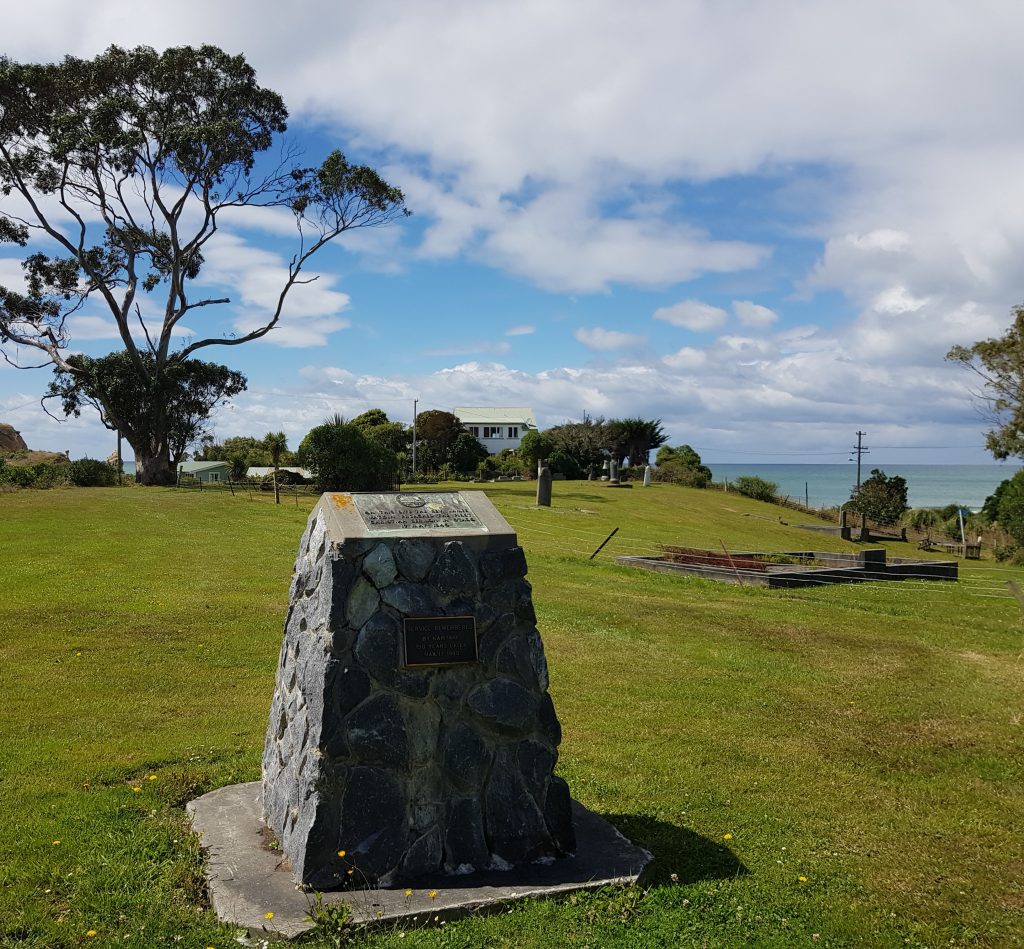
pixel 763 223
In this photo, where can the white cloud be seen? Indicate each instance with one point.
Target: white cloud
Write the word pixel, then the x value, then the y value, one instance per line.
pixel 604 340
pixel 523 329
pixel 753 314
pixel 692 315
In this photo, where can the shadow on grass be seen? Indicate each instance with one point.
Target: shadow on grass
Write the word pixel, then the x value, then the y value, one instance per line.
pixel 687 854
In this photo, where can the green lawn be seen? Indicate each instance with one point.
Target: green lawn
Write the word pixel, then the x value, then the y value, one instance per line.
pixel 862 746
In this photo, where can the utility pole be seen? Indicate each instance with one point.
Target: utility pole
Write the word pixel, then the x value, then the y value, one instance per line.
pixel 415 402
pixel 860 449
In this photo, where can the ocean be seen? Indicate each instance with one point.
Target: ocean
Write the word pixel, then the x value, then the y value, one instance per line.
pixel 830 485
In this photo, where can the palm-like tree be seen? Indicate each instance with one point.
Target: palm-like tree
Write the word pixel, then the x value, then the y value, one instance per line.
pixel 277 444
pixel 634 437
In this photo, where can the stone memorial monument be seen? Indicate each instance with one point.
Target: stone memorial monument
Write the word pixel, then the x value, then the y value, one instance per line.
pixel 411 731
pixel 647 476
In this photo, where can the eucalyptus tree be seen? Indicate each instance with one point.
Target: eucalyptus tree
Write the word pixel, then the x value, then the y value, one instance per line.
pixel 117 172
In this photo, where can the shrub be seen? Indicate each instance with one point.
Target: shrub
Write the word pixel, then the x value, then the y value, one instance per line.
pixel 757 488
pixel 922 518
pixel 341 458
pixel 677 471
pixel 43 475
pixel 92 473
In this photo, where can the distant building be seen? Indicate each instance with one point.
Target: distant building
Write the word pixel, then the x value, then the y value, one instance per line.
pixel 204 471
pixel 496 427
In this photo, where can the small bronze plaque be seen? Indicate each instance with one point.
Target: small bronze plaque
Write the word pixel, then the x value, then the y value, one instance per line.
pixel 439 641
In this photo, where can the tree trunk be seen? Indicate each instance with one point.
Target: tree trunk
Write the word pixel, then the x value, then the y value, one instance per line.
pixel 153 465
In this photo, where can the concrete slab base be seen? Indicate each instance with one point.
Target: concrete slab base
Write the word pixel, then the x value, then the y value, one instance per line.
pixel 248 880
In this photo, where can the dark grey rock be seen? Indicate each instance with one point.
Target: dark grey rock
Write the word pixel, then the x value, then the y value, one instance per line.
pixel 423 728
pixel 410 599
pixel 536 763
pixel 494 638
pixel 423 856
pixel 454 572
pixel 414 558
pixel 465 845
pixel 376 732
pixel 379 566
pixel 558 816
pixel 376 648
pixel 346 687
pixel 504 704
pixel 547 721
pixel 363 601
pixel 485 616
pixel 522 656
pixel 500 565
pixel 450 685
pixel 467 757
pixel 373 822
pixel 515 826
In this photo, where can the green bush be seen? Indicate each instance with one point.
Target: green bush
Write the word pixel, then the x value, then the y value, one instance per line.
pixel 43 475
pixel 92 473
pixel 677 471
pixel 757 488
pixel 341 458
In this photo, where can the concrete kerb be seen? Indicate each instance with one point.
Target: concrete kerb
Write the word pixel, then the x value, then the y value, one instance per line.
pixel 247 880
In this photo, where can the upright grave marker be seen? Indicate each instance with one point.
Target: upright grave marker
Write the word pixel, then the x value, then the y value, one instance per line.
pixel 411 727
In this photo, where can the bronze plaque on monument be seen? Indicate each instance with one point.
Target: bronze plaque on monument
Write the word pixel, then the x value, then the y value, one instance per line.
pixel 439 641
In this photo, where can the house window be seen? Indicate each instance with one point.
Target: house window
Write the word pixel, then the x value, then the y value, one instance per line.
pixel 474 430
pixel 215 476
pixel 492 431
pixel 513 431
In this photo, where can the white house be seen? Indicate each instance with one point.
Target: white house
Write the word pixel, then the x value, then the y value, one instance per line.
pixel 496 427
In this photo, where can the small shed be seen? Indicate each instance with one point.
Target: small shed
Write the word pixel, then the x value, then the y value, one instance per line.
pixel 204 471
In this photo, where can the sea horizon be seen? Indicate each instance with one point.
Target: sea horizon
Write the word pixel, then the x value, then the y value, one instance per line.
pixel 830 485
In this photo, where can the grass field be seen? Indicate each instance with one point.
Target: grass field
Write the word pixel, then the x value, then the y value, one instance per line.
pixel 831 766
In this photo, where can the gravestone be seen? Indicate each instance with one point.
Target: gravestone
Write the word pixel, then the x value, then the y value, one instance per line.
pixel 613 472
pixel 411 727
pixel 647 476
pixel 544 487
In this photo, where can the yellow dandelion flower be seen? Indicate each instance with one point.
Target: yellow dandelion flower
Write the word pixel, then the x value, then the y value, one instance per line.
pixel 408 892
pixel 269 915
pixel 91 933
pixel 341 853
pixel 56 843
pixel 432 894
pixel 152 777
pixel 802 879
pixel 727 837
pixel 136 790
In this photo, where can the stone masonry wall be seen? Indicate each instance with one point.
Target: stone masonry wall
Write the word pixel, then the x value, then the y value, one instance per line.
pixel 410 771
